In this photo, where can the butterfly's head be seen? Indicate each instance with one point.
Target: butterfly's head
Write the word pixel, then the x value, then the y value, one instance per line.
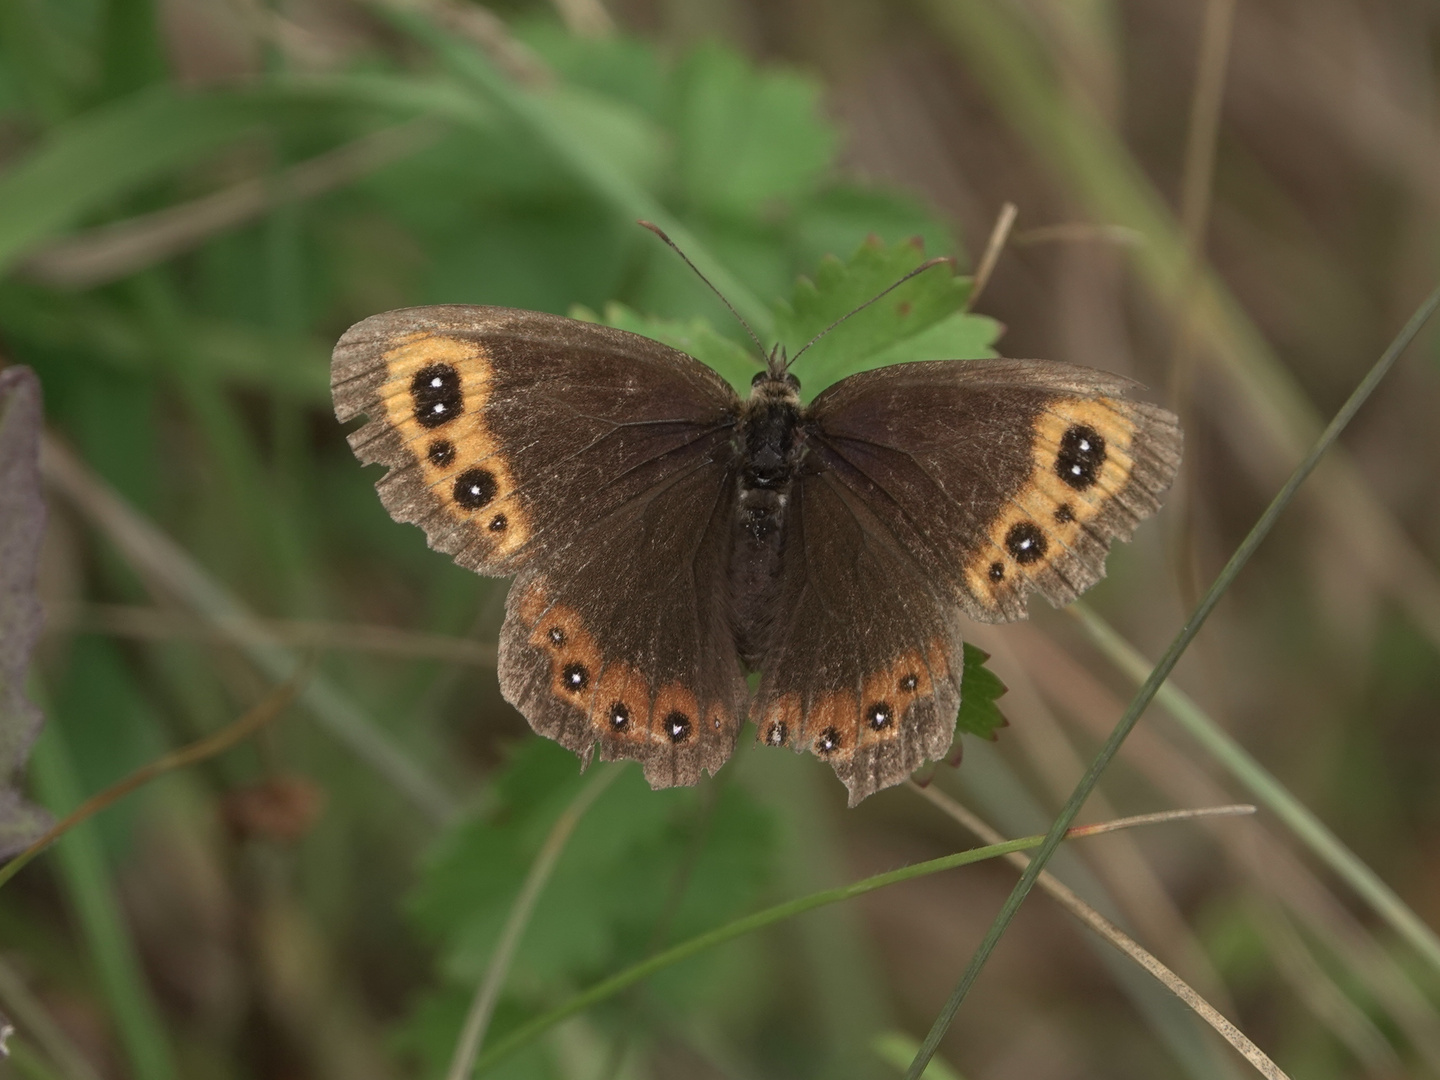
pixel 775 381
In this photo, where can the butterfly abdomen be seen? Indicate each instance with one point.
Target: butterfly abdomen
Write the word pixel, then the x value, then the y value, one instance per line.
pixel 769 448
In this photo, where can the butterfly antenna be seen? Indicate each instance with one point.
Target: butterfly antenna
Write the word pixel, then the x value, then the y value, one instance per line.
pixel 926 265
pixel 676 248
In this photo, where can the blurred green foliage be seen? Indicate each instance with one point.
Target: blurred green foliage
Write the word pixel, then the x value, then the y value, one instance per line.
pixel 195 379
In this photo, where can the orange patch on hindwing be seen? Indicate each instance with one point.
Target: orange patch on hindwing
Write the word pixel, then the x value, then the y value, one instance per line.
pixel 781 721
pixel 621 709
pixel 676 715
pixel 575 661
pixel 435 393
pixel 1081 450
pixel 837 723
pixel 616 697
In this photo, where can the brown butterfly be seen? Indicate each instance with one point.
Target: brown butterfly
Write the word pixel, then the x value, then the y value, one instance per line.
pixel 667 537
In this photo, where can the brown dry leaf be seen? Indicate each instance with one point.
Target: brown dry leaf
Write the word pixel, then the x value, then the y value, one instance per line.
pixel 22 524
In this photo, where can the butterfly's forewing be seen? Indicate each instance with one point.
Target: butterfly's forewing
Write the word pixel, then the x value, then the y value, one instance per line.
pixel 1001 476
pixel 593 463
pixel 932 488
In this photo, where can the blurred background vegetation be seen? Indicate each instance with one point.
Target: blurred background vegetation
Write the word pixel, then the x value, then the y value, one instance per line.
pixel 1235 203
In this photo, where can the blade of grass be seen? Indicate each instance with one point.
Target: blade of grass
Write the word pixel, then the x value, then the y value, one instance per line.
pixel 109 151
pixel 1268 791
pixel 1265 857
pixel 1089 159
pixel 1195 198
pixel 600 175
pixel 153 624
pixel 86 880
pixel 159 559
pixel 121 248
pixel 38 1026
pixel 482 1007
pixel 608 988
pixel 252 721
pixel 1111 933
pixel 1162 671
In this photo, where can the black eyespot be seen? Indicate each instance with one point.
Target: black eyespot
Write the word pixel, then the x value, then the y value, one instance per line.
pixel 776 734
pixel 1082 454
pixel 878 716
pixel 575 677
pixel 1064 514
pixel 619 716
pixel 677 726
pixel 997 572
pixel 909 683
pixel 441 453
pixel 498 523
pixel 557 636
pixel 1026 542
pixel 829 741
pixel 474 488
pixel 435 390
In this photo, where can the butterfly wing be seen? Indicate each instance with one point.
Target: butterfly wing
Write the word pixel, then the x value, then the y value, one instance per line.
pixel 591 462
pixel 929 489
pixel 1001 476
pixel 864 662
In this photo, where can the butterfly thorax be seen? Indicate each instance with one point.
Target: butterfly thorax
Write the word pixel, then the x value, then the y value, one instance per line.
pixel 769 447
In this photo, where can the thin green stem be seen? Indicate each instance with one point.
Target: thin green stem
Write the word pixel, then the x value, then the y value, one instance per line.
pixel 1267 790
pixel 482 1008
pixel 1161 672
pixel 86 879
pixel 622 980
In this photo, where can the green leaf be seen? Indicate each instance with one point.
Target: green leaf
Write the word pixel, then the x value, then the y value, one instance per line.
pixel 979 687
pixel 695 337
pixel 842 216
pixel 745 137
pixel 611 885
pixel 923 319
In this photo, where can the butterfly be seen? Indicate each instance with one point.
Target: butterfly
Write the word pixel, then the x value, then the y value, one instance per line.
pixel 667 538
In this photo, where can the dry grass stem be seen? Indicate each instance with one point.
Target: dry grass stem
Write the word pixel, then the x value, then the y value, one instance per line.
pixel 154 624
pixel 1108 930
pixel 993 249
pixel 124 247
pixel 482 27
pixel 40 1028
pixel 169 568
pixel 1078 232
pixel 1264 858
pixel 1121 864
pixel 585 18
pixel 248 724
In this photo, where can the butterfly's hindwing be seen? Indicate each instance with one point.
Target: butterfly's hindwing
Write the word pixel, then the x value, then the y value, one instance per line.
pixel 622 639
pixel 865 658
